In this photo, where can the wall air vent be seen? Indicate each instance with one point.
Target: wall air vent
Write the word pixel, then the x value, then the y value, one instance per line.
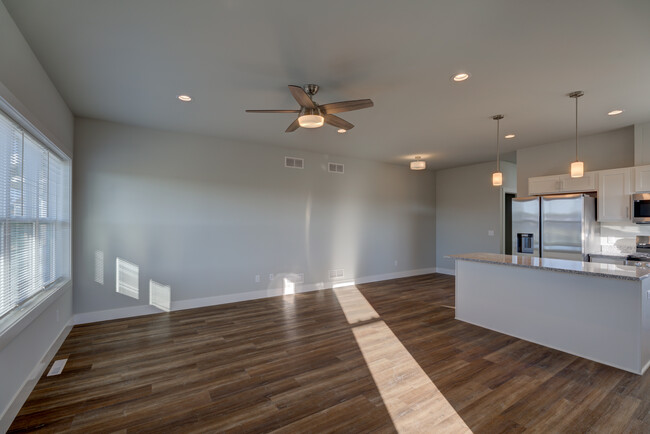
pixel 335 168
pixel 294 163
pixel 57 367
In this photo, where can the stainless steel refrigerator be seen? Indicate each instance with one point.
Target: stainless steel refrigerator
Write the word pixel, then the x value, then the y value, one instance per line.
pixel 561 226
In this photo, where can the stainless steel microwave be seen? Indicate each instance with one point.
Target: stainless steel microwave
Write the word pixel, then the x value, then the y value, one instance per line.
pixel 641 208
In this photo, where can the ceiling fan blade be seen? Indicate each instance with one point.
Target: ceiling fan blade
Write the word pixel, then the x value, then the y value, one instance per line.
pixel 272 111
pixel 346 106
pixel 301 96
pixel 293 127
pixel 337 122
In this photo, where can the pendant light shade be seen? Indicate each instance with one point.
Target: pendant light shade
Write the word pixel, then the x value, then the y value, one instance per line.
pixel 418 164
pixel 497 177
pixel 577 167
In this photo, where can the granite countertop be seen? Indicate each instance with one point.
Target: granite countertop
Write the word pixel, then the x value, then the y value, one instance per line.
pixel 614 271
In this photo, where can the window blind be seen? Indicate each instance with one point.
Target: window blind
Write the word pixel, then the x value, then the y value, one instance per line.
pixel 34 216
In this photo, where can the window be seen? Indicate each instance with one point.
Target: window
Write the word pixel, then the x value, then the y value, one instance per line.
pixel 34 216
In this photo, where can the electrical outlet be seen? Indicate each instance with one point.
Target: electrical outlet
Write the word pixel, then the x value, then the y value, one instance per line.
pixel 490 233
pixel 270 277
pixel 257 278
pixel 396 263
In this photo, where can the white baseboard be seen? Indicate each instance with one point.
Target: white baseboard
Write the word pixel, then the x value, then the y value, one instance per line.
pixel 127 312
pixel 449 271
pixel 122 312
pixel 21 396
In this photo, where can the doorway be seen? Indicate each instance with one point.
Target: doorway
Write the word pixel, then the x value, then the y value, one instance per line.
pixel 508 223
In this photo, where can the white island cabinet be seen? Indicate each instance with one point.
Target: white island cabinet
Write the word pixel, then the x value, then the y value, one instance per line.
pixel 597 311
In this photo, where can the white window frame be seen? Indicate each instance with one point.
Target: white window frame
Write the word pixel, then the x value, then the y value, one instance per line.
pixel 16 320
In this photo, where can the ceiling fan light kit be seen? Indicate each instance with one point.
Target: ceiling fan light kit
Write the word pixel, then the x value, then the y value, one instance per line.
pixel 310 118
pixel 313 115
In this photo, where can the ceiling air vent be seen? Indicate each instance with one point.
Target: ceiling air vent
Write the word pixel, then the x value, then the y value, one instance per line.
pixel 335 168
pixel 294 163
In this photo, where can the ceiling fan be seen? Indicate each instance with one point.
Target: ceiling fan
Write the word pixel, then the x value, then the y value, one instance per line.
pixel 313 115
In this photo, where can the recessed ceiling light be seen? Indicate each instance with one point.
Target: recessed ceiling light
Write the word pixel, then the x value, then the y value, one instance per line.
pixel 341 131
pixel 184 98
pixel 461 76
pixel 510 136
pixel 615 112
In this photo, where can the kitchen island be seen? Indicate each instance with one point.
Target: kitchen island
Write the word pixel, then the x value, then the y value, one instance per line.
pixel 597 311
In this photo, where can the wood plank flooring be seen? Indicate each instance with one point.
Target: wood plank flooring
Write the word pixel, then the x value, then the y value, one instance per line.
pixel 388 357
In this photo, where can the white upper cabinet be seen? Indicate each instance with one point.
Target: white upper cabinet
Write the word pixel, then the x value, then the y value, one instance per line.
pixel 562 184
pixel 614 195
pixel 641 179
pixel 588 182
pixel 544 185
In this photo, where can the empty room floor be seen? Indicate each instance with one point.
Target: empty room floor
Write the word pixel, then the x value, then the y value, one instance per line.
pixel 386 356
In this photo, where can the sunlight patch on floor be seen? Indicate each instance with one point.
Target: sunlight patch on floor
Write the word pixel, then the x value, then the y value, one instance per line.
pixel 355 306
pixel 413 401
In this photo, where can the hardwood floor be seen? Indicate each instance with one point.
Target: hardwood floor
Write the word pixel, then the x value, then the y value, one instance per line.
pixel 388 357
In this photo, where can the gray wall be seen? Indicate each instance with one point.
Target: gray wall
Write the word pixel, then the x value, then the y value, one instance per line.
pixel 25 85
pixel 609 150
pixel 467 208
pixel 205 215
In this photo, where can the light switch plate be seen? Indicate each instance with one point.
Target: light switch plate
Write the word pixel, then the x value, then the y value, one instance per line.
pixel 490 233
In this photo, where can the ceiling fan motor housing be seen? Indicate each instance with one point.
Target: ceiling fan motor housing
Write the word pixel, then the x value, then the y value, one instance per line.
pixel 311 89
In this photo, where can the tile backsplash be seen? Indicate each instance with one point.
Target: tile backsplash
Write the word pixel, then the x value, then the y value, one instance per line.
pixel 616 239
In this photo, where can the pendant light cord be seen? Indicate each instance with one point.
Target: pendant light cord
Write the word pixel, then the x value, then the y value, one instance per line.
pixel 498 162
pixel 576 128
pixel 498 118
pixel 577 94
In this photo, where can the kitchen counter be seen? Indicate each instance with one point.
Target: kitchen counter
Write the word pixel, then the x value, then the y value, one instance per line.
pixel 593 310
pixel 613 271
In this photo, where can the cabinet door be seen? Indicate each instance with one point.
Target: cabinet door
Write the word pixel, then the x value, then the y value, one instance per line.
pixel 588 182
pixel 544 185
pixel 642 179
pixel 614 195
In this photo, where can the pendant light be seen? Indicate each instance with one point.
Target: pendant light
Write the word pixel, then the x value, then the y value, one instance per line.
pixel 418 164
pixel 577 167
pixel 497 177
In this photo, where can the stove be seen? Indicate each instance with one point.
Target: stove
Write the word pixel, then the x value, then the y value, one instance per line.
pixel 642 255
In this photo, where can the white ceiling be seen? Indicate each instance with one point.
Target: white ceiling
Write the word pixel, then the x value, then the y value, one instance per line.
pixel 125 61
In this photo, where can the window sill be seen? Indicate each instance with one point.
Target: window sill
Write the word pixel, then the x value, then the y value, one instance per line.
pixel 16 321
